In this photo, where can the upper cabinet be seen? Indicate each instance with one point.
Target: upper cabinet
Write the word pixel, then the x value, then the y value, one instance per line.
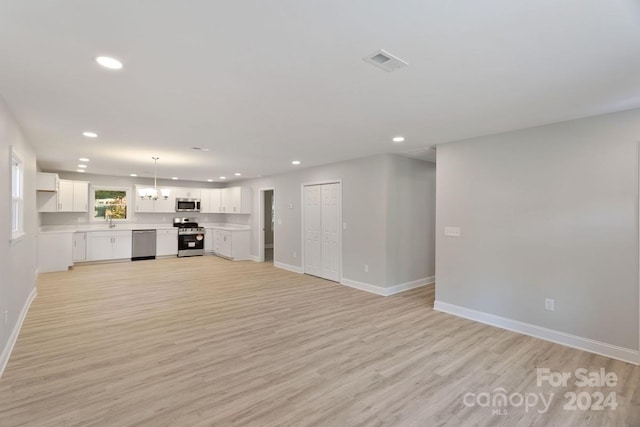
pixel 188 193
pixel 47 182
pixel 236 200
pixel 166 202
pixel 69 196
pixel 226 200
pixel 211 200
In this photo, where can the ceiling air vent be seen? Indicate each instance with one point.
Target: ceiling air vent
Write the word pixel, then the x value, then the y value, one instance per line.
pixel 385 61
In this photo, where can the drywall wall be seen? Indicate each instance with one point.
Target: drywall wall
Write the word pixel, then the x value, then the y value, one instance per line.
pixel 363 193
pixel 18 259
pixel 547 212
pixel 411 217
pixel 366 196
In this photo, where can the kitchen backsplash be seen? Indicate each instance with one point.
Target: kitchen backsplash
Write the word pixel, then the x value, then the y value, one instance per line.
pixel 72 218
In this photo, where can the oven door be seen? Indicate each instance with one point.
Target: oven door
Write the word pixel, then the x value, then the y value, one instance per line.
pixel 190 241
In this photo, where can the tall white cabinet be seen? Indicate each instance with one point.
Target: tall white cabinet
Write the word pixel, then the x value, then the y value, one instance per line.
pixel 322 237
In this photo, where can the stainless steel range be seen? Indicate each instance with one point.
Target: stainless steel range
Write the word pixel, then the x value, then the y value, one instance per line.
pixel 190 237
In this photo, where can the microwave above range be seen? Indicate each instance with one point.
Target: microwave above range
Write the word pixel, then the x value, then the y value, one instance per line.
pixel 187 205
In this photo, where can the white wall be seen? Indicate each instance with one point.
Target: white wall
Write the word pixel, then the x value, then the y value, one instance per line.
pixel 411 220
pixel 547 212
pixel 369 185
pixel 18 261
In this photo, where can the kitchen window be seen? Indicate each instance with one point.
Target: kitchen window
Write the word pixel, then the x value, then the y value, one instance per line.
pixel 17 197
pixel 110 203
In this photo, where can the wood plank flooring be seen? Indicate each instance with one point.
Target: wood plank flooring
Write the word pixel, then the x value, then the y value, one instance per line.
pixel 208 342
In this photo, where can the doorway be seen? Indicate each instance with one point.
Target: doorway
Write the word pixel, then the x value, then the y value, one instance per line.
pixel 322 230
pixel 267 225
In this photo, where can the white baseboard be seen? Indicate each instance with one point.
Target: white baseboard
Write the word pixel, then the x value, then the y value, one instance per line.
pixel 255 258
pixel 396 289
pixel 6 353
pixel 289 267
pixel 374 289
pixel 569 340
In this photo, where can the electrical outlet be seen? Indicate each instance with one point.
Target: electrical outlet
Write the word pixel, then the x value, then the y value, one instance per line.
pixel 549 304
pixel 366 268
pixel 295 254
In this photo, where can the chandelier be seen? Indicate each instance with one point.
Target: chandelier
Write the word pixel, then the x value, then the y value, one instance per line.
pixel 152 193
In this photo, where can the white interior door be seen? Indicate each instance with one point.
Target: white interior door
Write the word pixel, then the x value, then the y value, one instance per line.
pixel 330 230
pixel 322 230
pixel 312 230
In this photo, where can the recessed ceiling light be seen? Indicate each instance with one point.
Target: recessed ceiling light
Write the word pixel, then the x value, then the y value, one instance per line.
pixel 295 162
pixel 133 174
pixel 90 134
pixel 80 170
pixel 209 180
pixel 398 139
pixel 237 174
pixel 83 159
pixel 223 177
pixel 108 62
pixel 174 177
pixel 82 166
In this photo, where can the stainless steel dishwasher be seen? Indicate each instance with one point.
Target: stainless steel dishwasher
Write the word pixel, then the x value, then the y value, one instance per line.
pixel 144 245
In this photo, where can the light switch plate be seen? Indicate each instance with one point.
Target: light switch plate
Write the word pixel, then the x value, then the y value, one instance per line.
pixel 452 231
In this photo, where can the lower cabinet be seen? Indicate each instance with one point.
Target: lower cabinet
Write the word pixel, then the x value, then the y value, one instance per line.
pixel 106 245
pixel 208 239
pixel 55 251
pixel 79 247
pixel 232 244
pixel 167 242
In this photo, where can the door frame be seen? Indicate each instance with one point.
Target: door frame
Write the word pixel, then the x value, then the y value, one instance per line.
pixel 340 226
pixel 261 224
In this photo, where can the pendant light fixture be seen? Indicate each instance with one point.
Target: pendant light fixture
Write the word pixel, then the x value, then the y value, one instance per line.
pixel 152 193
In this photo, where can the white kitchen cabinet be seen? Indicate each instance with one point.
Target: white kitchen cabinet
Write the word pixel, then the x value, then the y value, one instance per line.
pixel 232 244
pixel 55 251
pixel 167 242
pixel 80 196
pixel 72 196
pixel 167 205
pixel 107 245
pixel 47 181
pixel 236 200
pixel 208 239
pixel 65 196
pixel 161 205
pixel 211 200
pixel 188 193
pixel 79 247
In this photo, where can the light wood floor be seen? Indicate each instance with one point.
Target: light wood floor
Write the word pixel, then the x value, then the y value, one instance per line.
pixel 208 342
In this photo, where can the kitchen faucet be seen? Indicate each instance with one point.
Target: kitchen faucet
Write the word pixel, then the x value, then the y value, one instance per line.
pixel 109 218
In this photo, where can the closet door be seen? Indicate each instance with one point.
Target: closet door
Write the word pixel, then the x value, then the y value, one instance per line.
pixel 312 230
pixel 330 230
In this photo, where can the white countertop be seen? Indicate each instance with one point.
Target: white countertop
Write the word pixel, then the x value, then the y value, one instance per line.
pixel 50 229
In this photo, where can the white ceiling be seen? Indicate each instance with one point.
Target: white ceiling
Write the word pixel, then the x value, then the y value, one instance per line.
pixel 261 83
